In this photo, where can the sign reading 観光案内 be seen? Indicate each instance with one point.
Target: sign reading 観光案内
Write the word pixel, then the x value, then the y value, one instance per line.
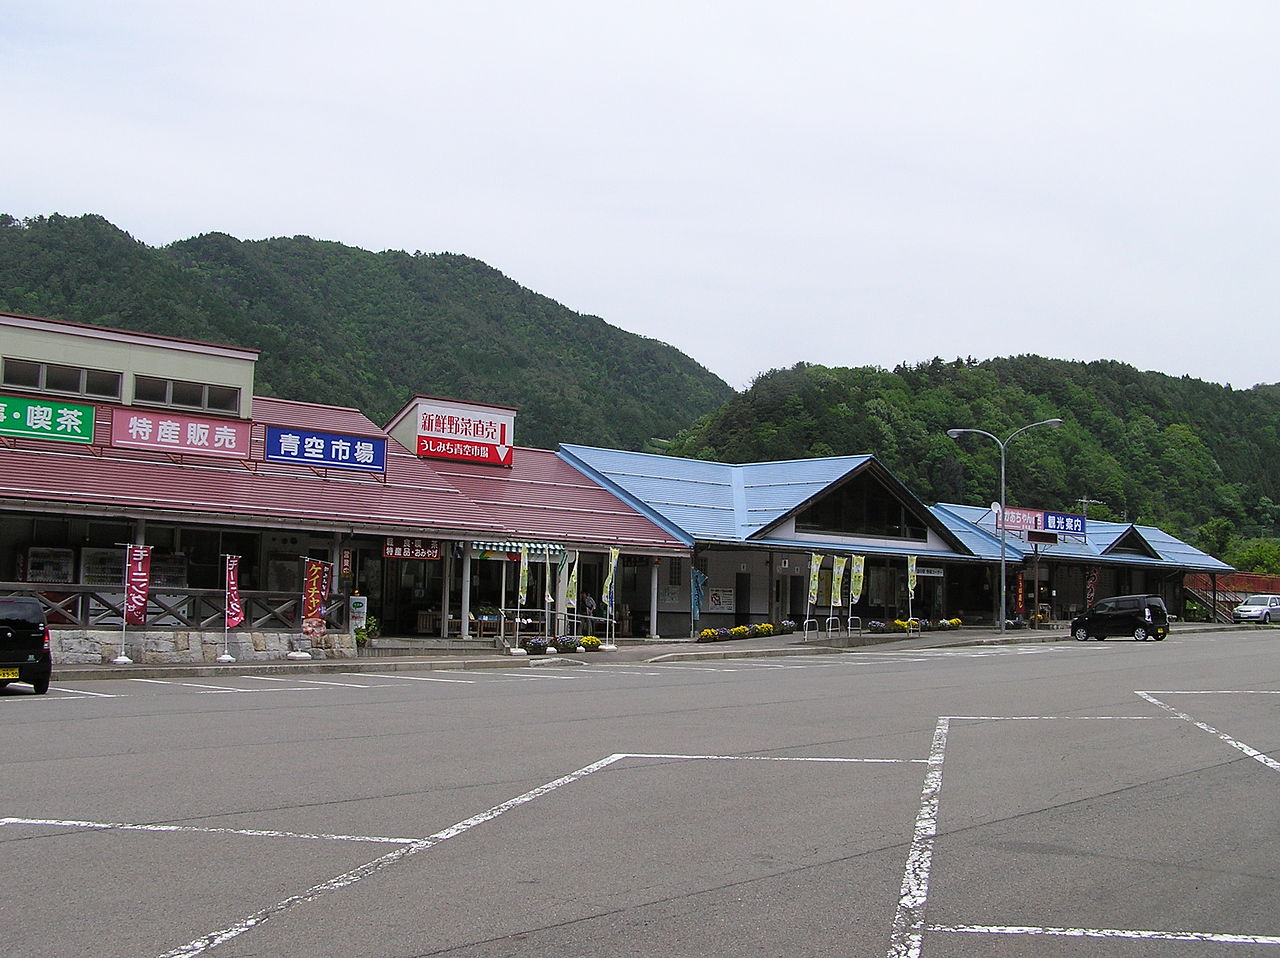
pixel 150 429
pixel 471 432
pixel 46 419
pixel 325 449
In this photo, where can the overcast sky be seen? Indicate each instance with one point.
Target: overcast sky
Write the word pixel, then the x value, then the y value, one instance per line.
pixel 846 183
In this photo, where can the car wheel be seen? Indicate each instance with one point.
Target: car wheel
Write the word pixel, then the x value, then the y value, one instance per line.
pixel 4 683
pixel 1082 634
pixel 41 685
pixel 1159 638
pixel 1266 618
pixel 1140 634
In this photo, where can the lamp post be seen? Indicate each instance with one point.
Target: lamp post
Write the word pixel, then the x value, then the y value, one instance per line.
pixel 955 434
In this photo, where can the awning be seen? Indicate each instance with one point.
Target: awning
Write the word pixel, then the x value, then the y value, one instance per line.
pixel 535 548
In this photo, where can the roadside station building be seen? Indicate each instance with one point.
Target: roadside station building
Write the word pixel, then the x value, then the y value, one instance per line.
pixel 110 438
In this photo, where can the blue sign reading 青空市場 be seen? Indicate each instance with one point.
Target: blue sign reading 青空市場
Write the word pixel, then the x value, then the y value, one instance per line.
pixel 1063 523
pixel 332 451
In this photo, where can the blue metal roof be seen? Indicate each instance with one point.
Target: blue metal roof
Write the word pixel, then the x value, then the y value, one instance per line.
pixel 1100 540
pixel 712 501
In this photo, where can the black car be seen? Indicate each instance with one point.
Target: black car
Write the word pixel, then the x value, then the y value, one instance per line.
pixel 1141 616
pixel 24 643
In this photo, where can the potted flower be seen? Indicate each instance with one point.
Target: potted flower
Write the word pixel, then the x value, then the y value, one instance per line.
pixel 534 645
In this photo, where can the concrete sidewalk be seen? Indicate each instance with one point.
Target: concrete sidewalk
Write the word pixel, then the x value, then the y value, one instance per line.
pixel 659 651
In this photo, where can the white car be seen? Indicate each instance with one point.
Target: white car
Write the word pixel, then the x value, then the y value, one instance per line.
pixel 1257 608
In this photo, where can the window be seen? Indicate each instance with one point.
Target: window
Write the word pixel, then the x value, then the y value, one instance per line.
pixel 56 378
pixel 862 507
pixel 675 572
pixel 155 391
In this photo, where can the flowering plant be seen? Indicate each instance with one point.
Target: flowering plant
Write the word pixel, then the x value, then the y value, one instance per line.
pixel 590 643
pixel 534 645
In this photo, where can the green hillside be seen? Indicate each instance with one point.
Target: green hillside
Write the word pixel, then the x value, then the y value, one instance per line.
pixel 342 325
pixel 1199 459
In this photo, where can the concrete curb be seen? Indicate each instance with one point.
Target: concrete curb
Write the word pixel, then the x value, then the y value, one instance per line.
pixel 656 653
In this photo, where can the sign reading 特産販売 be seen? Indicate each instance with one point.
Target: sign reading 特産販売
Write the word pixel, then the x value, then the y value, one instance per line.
pixel 46 419
pixel 152 429
pixel 471 432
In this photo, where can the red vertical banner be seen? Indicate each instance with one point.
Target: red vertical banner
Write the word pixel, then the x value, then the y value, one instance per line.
pixel 1091 585
pixel 137 584
pixel 235 608
pixel 315 588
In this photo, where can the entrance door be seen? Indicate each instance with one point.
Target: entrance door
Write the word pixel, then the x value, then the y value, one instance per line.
pixel 742 599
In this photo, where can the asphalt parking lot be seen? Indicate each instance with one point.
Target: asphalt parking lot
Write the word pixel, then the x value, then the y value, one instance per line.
pixel 1091 799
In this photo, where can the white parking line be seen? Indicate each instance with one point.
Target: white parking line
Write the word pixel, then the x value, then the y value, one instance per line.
pixel 1109 933
pixel 414 678
pixel 247 832
pixel 1253 753
pixel 600 670
pixel 517 675
pixel 96 695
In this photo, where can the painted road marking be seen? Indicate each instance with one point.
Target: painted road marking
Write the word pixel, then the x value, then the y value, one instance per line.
pixel 1253 753
pixel 414 678
pixel 908 921
pixel 248 832
pixel 1033 930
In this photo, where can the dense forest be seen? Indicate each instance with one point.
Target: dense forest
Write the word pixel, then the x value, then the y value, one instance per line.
pixel 346 326
pixel 342 325
pixel 1198 459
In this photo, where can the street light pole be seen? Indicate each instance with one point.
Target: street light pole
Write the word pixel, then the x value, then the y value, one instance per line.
pixel 955 434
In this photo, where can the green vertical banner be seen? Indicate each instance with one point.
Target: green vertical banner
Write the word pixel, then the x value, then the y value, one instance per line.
pixel 911 575
pixel 837 578
pixel 608 578
pixel 571 590
pixel 815 564
pixel 855 579
pixel 524 575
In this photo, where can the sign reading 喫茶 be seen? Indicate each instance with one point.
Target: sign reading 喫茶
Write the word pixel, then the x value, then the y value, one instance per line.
pixel 471 432
pixel 46 419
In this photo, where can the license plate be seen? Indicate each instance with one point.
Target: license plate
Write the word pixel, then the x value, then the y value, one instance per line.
pixel 8 674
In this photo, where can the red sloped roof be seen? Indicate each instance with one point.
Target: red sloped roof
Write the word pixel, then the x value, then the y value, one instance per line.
pixel 305 415
pixel 413 499
pixel 544 498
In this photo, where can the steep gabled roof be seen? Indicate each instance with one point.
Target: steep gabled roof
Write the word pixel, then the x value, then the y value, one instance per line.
pixel 711 501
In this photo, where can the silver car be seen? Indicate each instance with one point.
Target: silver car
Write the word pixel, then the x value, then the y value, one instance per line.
pixel 1257 608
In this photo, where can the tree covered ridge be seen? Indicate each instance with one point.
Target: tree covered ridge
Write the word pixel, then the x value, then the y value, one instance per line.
pixel 1179 453
pixel 341 325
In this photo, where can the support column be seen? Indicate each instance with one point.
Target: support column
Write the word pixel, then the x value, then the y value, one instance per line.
pixel 654 570
pixel 464 614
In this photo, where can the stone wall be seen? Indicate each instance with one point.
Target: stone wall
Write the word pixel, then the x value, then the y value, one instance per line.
pixel 170 647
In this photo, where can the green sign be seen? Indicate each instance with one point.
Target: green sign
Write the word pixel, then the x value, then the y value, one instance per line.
pixel 46 419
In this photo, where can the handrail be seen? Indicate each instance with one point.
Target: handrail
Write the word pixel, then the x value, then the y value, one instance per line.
pixel 76 606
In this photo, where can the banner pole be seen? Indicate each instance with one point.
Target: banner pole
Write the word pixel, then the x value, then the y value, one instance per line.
pixel 122 658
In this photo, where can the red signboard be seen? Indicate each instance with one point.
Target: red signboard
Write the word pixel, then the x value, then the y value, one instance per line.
pixel 137 584
pixel 1021 520
pixel 471 432
pixel 156 429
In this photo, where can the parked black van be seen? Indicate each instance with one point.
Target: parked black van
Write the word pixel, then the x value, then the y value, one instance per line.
pixel 1141 616
pixel 24 643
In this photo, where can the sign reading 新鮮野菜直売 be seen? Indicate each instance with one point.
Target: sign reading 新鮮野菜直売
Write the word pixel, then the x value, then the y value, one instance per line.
pixel 46 419
pixel 470 432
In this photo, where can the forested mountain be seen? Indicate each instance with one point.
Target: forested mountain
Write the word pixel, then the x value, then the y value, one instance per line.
pixel 342 325
pixel 1196 458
